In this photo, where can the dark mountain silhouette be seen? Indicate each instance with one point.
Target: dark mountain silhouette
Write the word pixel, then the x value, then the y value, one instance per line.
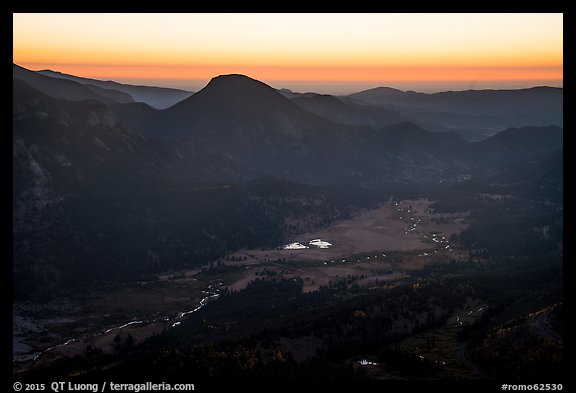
pixel 349 110
pixel 533 106
pixel 249 129
pixel 75 144
pixel 246 128
pixel 517 144
pixel 382 94
pixel 156 97
pixel 70 90
pixel 237 97
pixel 338 111
pixel 80 177
pixel 238 128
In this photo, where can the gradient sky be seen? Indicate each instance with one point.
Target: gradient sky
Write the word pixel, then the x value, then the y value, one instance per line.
pixel 326 53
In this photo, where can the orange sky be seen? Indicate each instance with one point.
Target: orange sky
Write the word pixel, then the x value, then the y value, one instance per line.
pixel 337 53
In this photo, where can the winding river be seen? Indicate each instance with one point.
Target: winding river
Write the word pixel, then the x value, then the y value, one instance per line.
pixel 23 352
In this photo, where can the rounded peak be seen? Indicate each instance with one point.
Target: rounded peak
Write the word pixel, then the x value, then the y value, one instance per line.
pixel 234 79
pixel 238 92
pixel 237 85
pixel 381 90
pixel 232 76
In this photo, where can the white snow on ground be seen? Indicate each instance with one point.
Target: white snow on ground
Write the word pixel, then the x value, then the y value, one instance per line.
pixel 294 246
pixel 320 243
pixel 299 246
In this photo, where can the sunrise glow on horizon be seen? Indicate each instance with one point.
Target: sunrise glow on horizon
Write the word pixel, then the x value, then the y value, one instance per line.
pixel 327 53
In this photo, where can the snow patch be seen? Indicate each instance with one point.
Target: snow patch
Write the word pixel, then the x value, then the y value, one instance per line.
pixel 320 243
pixel 294 246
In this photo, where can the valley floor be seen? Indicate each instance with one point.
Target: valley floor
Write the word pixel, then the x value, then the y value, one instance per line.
pixel 373 247
pixel 378 248
pixel 379 245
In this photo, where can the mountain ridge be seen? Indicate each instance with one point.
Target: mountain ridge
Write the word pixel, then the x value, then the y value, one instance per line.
pixel 157 97
pixel 535 103
pixel 237 128
pixel 68 89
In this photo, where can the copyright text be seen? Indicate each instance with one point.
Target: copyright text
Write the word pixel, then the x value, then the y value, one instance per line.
pixel 101 387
